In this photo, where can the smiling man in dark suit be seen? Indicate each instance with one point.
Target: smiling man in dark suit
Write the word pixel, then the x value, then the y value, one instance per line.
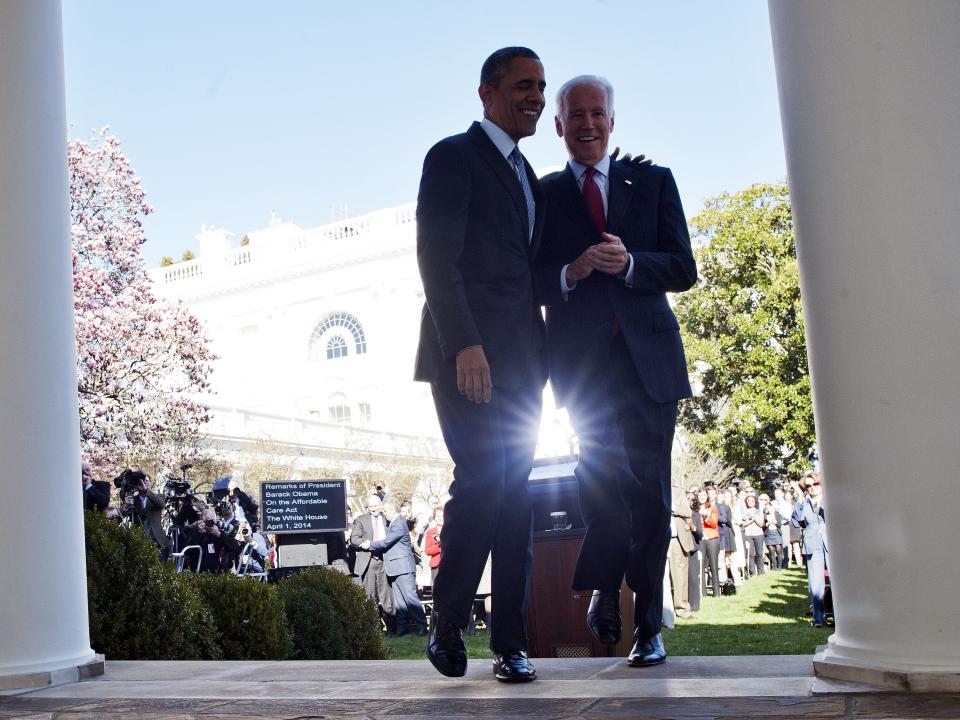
pixel 479 220
pixel 615 242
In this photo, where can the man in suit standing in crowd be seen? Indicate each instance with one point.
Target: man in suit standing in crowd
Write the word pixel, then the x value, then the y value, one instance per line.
pixel 479 220
pixel 400 568
pixel 368 528
pixel 615 243
pixel 682 544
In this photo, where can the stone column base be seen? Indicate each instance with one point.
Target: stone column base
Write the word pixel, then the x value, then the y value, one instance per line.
pixel 12 684
pixel 914 680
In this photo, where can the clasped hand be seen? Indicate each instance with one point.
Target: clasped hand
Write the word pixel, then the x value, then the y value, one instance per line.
pixel 609 256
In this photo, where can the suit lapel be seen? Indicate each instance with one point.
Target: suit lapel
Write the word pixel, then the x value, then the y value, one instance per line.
pixel 619 193
pixel 501 168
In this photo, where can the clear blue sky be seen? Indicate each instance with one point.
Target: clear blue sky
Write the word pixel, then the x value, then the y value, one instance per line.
pixel 230 109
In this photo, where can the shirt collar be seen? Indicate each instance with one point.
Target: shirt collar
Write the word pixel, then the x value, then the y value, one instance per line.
pixel 498 137
pixel 602 167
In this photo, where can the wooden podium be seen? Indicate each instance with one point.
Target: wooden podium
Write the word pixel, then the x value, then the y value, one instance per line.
pixel 557 615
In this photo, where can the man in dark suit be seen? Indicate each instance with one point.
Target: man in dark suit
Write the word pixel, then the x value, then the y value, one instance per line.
pixel 400 568
pixel 96 493
pixel 479 219
pixel 615 242
pixel 368 528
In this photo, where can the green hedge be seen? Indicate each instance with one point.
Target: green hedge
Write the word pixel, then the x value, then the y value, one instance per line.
pixel 248 616
pixel 142 609
pixel 331 617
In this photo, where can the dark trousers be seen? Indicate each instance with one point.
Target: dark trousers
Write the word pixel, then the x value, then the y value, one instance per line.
pixel 693 580
pixel 407 603
pixel 711 553
pixel 754 550
pixel 775 552
pixel 489 509
pixel 624 481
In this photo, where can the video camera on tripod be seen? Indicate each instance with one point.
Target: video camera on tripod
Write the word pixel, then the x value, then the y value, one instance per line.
pixel 183 506
pixel 129 484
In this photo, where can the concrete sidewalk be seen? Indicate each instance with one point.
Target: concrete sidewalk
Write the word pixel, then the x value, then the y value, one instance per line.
pixel 684 687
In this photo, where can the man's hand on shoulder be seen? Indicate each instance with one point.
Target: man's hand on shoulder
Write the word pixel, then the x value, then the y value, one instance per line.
pixel 473 374
pixel 640 159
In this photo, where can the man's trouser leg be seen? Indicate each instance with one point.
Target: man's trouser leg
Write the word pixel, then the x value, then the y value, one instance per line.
pixel 492 446
pixel 678 575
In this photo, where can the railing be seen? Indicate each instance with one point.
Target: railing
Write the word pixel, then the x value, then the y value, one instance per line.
pixel 292 248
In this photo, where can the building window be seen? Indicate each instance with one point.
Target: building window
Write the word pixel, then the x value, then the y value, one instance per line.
pixel 336 347
pixel 340 414
pixel 364 409
pixel 333 336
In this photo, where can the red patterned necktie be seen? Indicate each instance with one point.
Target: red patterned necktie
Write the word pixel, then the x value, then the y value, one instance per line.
pixel 591 196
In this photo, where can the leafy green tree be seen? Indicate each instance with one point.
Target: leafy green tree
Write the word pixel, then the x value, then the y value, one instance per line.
pixel 743 331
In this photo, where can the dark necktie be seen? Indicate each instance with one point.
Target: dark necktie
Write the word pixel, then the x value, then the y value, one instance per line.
pixel 520 169
pixel 591 196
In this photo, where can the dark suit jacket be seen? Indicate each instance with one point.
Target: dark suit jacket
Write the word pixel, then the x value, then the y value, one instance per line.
pixel 644 210
pixel 396 548
pixel 97 497
pixel 218 553
pixel 475 259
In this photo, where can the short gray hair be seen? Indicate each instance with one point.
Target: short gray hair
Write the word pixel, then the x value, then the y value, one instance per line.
pixel 595 80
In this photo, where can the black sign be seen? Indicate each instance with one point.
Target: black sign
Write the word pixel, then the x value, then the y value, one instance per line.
pixel 304 506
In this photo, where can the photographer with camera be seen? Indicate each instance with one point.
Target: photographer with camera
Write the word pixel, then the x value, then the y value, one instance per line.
pixel 250 534
pixel 248 505
pixel 142 506
pixel 229 522
pixel 218 546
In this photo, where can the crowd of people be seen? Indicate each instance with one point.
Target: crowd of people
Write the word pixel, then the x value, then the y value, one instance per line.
pixel 222 535
pixel 722 537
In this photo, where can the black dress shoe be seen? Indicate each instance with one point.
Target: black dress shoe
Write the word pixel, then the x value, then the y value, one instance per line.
pixel 445 648
pixel 603 616
pixel 646 651
pixel 421 632
pixel 513 666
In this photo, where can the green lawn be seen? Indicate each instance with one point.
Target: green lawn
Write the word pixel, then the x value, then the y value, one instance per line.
pixel 765 617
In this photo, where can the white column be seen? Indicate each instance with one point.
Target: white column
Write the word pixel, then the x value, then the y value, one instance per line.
pixel 43 621
pixel 870 104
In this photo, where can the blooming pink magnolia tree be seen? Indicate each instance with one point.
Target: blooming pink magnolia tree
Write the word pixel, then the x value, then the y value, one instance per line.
pixel 140 358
